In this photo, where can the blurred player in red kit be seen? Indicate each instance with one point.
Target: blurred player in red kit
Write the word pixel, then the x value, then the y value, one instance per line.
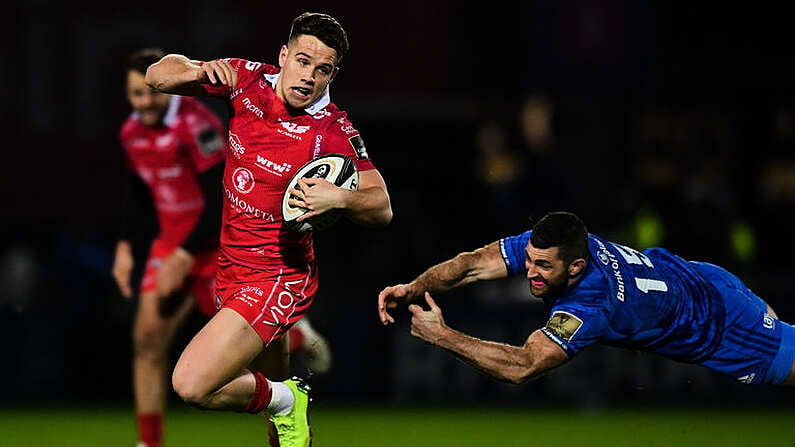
pixel 174 148
pixel 280 118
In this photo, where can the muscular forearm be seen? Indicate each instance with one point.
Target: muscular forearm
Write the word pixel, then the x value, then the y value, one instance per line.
pixel 504 362
pixel 176 74
pixel 455 272
pixel 369 207
pixel 465 268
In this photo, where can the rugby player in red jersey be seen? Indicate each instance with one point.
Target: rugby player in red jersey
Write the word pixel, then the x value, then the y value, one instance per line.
pixel 280 118
pixel 174 150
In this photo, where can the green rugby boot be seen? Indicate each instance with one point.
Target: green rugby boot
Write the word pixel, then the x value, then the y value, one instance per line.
pixel 293 427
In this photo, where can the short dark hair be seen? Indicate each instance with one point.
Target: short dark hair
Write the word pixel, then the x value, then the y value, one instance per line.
pixel 141 59
pixel 563 230
pixel 322 26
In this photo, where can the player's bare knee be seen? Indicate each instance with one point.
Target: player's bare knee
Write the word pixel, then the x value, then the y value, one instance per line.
pixel 189 387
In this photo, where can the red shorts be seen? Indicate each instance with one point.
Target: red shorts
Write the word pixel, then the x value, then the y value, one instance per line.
pixel 200 281
pixel 271 300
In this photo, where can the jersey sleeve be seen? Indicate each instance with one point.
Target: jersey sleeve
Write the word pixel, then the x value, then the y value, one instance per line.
pixel 244 69
pixel 575 325
pixel 342 138
pixel 204 139
pixel 512 251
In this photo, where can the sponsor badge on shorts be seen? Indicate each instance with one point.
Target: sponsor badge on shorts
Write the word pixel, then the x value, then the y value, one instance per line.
pixel 563 325
pixel 358 146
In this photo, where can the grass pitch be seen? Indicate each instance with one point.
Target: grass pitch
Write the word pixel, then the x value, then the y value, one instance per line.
pixel 433 427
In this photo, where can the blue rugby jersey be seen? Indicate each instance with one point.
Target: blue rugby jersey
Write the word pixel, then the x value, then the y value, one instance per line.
pixel 651 301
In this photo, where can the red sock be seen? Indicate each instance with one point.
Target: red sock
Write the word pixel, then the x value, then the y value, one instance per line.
pixel 262 394
pixel 150 428
pixel 296 338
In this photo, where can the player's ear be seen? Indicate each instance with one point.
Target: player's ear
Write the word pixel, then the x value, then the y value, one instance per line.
pixel 334 73
pixel 576 267
pixel 283 55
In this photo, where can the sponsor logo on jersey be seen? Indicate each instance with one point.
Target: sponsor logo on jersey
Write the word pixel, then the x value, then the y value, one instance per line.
pixel 292 130
pixel 243 180
pixel 606 255
pixel 748 378
pixel 210 142
pixel 322 113
pixel 273 167
pixel 346 126
pixel 237 147
pixel 245 207
pixel 163 141
pixel 172 172
pixel 563 325
pixel 357 143
pixel 236 92
pixel 251 107
pixel 316 150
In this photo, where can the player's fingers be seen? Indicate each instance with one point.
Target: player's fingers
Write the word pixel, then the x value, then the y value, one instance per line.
pixel 307 215
pixel 430 301
pixel 297 203
pixel 415 309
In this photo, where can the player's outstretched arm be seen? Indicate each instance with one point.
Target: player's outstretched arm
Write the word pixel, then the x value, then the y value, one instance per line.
pixel 507 363
pixel 177 74
pixel 483 264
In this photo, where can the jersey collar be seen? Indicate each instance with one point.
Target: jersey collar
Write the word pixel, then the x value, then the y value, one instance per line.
pixel 317 106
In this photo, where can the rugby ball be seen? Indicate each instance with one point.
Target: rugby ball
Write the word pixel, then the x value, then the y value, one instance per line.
pixel 339 170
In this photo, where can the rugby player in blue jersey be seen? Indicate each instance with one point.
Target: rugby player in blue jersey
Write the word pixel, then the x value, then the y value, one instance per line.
pixel 603 292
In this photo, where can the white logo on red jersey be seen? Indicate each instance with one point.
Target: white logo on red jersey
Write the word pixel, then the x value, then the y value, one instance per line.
pixel 322 113
pixel 251 107
pixel 163 141
pixel 245 207
pixel 346 126
pixel 243 180
pixel 237 147
pixel 273 167
pixel 293 128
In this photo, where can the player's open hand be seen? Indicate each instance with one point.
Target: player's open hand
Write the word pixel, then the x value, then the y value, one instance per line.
pixel 427 324
pixel 172 272
pixel 219 72
pixel 390 298
pixel 122 266
pixel 318 196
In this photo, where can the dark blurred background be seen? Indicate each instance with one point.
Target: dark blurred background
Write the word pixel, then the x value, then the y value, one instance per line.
pixel 660 123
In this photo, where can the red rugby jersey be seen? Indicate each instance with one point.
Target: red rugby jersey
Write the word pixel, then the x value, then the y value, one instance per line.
pixel 267 145
pixel 169 158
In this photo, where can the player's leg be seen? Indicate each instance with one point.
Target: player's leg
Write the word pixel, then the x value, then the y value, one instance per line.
pixel 309 343
pixel 212 371
pixel 274 363
pixel 153 332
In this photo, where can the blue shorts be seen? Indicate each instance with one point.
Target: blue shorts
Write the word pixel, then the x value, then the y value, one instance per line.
pixel 755 348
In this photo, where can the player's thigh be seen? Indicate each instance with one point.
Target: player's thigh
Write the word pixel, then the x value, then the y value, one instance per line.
pixel 218 352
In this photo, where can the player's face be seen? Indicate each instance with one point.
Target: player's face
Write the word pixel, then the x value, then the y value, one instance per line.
pixel 547 273
pixel 150 105
pixel 308 65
